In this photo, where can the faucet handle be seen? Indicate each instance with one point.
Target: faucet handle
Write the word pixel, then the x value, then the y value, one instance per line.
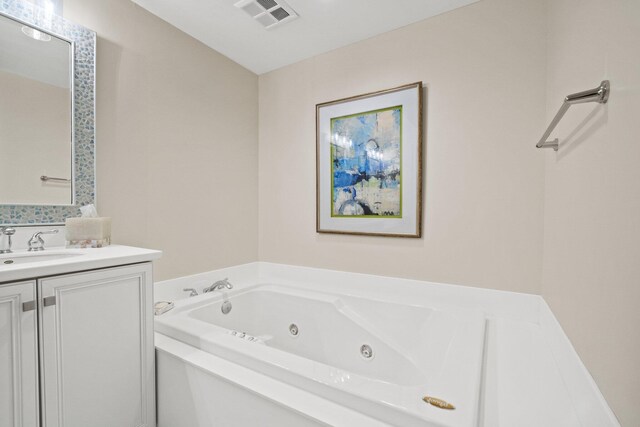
pixel 7 231
pixel 36 243
pixel 193 292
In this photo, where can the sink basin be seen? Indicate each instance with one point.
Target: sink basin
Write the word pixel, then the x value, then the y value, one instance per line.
pixel 25 258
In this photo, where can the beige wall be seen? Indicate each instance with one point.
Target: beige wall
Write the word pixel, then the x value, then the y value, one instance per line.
pixel 591 273
pixel 35 140
pixel 177 121
pixel 176 140
pixel 484 66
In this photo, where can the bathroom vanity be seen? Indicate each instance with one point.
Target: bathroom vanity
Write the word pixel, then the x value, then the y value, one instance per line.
pixel 76 325
pixel 76 338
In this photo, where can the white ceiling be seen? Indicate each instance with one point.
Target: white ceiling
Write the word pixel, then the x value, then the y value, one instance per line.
pixel 323 25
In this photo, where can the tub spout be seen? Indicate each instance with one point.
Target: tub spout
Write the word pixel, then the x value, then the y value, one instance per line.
pixel 219 285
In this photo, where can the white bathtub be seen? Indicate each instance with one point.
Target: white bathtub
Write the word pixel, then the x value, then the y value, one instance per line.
pixel 417 350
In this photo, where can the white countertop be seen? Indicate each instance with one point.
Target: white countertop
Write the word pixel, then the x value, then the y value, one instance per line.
pixel 86 259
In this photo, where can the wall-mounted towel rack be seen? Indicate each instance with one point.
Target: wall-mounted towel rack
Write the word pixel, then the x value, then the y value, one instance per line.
pixel 599 95
pixel 45 178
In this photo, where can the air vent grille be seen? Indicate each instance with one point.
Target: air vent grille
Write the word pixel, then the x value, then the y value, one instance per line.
pixel 280 14
pixel 267 4
pixel 268 13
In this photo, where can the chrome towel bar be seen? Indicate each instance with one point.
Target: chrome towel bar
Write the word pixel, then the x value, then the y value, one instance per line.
pixel 599 95
pixel 45 178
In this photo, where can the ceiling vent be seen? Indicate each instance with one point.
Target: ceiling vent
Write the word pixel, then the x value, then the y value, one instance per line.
pixel 269 13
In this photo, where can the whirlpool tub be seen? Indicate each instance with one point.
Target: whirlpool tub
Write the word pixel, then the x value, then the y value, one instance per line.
pixel 375 357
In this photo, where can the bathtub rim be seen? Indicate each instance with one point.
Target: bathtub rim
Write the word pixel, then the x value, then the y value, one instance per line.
pixel 210 337
pixel 284 395
pixel 513 307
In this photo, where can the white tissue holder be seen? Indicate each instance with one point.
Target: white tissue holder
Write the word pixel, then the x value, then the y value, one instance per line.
pixel 88 232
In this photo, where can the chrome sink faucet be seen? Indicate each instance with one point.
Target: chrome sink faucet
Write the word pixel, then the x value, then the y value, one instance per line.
pixel 220 284
pixel 5 248
pixel 36 243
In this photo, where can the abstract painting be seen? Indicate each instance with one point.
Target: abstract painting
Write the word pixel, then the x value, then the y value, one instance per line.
pixel 369 164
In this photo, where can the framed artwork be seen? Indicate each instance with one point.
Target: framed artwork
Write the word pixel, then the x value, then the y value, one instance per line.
pixel 369 163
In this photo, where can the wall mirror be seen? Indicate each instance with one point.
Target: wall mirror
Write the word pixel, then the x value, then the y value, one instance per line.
pixel 47 115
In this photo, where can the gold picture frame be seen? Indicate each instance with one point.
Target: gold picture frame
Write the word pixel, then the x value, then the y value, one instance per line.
pixel 369 163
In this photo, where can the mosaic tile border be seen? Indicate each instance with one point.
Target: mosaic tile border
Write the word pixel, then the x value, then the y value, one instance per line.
pixel 84 50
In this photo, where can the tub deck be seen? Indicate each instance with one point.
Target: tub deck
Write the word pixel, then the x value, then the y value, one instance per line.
pixel 417 350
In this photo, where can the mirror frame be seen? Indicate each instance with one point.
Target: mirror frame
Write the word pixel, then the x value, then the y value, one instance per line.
pixel 83 48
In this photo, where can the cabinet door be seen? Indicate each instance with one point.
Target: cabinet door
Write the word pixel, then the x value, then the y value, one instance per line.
pixel 97 353
pixel 18 355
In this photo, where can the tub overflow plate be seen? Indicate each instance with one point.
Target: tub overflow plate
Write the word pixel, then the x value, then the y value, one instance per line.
pixel 226 307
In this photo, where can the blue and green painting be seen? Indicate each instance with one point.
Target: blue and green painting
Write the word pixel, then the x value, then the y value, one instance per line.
pixel 366 164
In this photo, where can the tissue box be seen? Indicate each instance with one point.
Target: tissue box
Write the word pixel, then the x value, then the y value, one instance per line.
pixel 88 232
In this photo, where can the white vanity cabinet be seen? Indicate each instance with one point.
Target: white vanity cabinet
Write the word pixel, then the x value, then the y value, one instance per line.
pixel 18 355
pixel 94 343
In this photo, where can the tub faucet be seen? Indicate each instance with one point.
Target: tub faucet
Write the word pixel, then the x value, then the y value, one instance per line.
pixel 5 248
pixel 220 284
